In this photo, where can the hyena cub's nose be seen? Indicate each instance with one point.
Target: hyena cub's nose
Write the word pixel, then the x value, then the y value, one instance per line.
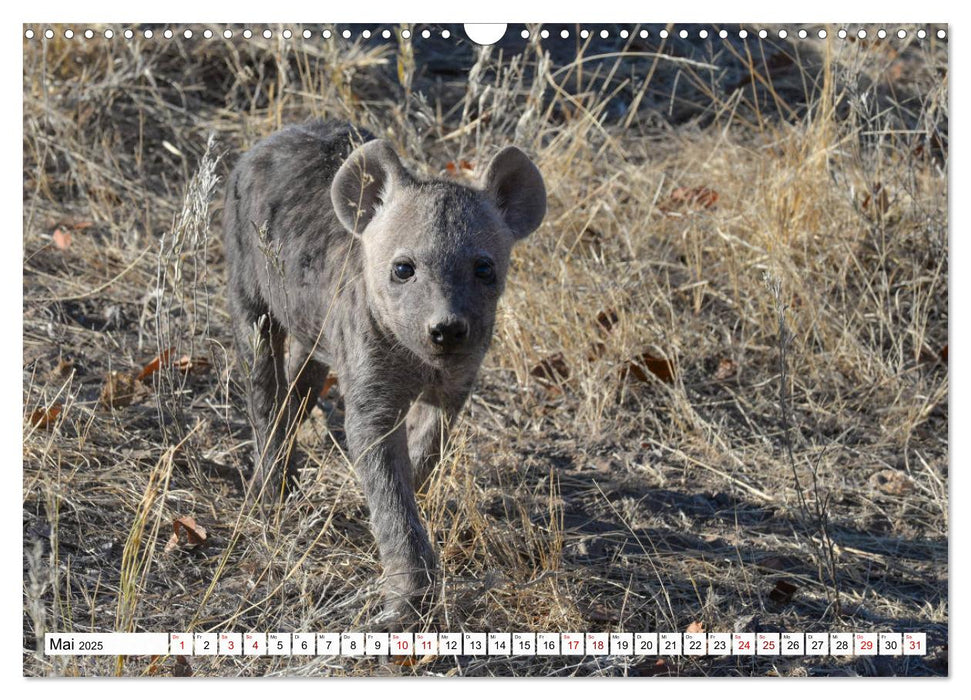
pixel 448 335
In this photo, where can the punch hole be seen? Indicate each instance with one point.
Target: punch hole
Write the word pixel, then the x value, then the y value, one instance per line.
pixel 584 33
pixel 366 34
pixel 921 34
pixel 545 33
pixel 405 33
pixel 783 33
pixel 821 33
pixel 663 33
pixel 148 34
pixel 703 34
pixel 109 33
pixel 228 34
pixel 763 34
pixel 129 34
pixel 564 34
pixel 723 34
pixel 841 33
pixel 187 34
pixel 49 34
pixel 604 33
pixel 88 34
pixel 941 34
pixel 446 34
pixel 881 34
pixel 167 34
pixel 327 34
pixel 247 34
pixel 29 34
pixel 861 34
pixel 207 34
pixel 68 33
pixel 624 33
pixel 901 33
pixel 803 33
pixel 524 34
pixel 287 34
pixel 683 34
pixel 267 34
pixel 425 34
pixel 643 34
pixel 386 34
pixel 742 34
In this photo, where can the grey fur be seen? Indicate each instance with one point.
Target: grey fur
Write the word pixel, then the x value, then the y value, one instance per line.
pixel 316 218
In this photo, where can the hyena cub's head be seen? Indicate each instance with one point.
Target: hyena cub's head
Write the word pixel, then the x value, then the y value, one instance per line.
pixel 435 252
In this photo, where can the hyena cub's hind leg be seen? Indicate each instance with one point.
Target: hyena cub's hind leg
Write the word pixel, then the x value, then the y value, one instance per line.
pixel 307 376
pixel 275 406
pixel 429 425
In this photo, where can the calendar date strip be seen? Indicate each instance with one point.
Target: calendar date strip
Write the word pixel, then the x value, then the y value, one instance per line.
pixel 363 644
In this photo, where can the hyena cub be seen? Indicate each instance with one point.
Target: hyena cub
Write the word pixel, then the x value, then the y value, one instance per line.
pixel 388 279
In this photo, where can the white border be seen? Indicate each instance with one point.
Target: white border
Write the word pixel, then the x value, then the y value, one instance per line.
pixel 447 11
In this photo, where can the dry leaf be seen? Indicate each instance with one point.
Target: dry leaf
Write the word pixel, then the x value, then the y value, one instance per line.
pixel 689 199
pixel 62 238
pixel 64 368
pixel 892 482
pixel 463 168
pixel 783 591
pixel 553 392
pixel 550 367
pixel 877 199
pixel 153 665
pixel 695 628
pixel 44 417
pixel 196 365
pixel 182 667
pixel 154 366
pixel 118 390
pixel 944 354
pixel 329 383
pixel 607 319
pixel 195 535
pixel 726 368
pixel 661 368
pixel 597 350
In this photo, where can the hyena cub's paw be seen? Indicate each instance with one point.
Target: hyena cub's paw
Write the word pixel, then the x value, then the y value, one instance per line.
pixel 269 487
pixel 409 594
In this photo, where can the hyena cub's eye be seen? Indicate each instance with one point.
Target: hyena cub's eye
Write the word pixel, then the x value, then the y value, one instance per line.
pixel 485 270
pixel 403 270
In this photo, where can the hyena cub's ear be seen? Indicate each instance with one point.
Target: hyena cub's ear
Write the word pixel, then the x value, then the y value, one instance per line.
pixel 517 187
pixel 367 179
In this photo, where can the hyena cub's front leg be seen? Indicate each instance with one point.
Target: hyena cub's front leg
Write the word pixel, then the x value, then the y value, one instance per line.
pixel 378 446
pixel 279 399
pixel 259 342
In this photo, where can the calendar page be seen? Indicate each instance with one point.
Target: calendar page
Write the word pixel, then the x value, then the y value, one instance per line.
pixel 520 350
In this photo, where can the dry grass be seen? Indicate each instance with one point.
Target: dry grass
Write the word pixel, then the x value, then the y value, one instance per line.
pixel 802 434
